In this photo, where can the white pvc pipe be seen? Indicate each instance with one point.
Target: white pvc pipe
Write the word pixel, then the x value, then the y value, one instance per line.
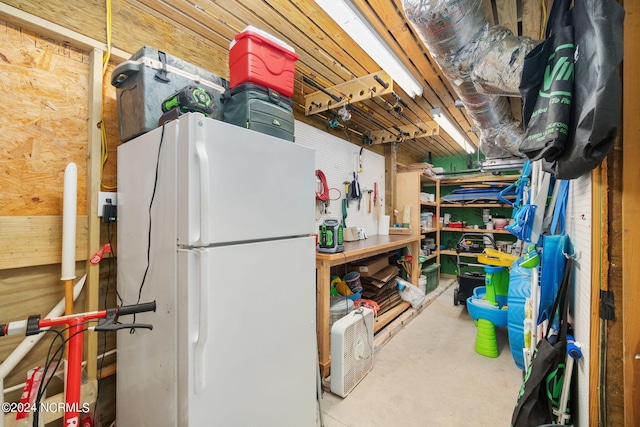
pixel 69 222
pixel 29 342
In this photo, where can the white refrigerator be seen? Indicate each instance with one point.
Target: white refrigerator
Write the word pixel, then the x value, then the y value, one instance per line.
pixel 213 224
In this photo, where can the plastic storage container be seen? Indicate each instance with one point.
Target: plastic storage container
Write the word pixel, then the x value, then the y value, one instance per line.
pixel 431 272
pixel 150 76
pixel 426 220
pixel 257 57
pixel 339 307
pixel 422 283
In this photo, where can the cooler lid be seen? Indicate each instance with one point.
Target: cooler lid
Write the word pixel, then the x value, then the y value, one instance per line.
pixel 263 36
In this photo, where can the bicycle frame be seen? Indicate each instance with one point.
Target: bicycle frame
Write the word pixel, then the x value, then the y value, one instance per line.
pixel 76 325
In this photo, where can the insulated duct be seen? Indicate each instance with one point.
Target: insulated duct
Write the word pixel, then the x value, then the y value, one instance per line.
pixel 482 62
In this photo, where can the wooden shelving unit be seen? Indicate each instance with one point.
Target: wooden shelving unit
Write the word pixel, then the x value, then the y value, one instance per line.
pixel 410 184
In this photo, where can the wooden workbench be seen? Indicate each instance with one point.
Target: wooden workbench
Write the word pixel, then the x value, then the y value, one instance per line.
pixel 353 251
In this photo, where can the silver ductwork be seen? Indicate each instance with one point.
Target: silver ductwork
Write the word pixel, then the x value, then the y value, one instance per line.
pixel 482 62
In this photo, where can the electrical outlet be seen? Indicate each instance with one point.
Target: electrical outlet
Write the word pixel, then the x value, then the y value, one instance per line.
pixel 103 197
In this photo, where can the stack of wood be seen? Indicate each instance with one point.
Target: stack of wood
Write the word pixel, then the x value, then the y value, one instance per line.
pixel 381 287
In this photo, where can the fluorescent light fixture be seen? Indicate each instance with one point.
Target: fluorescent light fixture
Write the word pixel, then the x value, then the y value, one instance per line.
pixel 452 130
pixel 349 18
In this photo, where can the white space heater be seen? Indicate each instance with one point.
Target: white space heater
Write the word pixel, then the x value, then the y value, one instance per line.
pixel 351 350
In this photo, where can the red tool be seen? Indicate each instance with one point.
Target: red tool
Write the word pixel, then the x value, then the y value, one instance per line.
pixel 97 257
pixel 375 198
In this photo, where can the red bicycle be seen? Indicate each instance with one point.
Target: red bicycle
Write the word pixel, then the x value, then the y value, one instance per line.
pixel 76 325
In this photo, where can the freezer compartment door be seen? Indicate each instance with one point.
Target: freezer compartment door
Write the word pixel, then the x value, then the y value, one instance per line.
pixel 247 349
pixel 239 185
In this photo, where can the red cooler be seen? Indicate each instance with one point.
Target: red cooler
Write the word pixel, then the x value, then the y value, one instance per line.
pixel 257 57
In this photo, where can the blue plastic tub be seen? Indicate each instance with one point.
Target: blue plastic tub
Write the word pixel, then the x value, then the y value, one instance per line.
pixel 480 309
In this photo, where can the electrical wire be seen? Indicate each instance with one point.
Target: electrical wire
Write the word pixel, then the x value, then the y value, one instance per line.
pixel 153 197
pixel 105 306
pixel 543 22
pixel 49 361
pixel 322 193
pixel 47 364
pixel 104 151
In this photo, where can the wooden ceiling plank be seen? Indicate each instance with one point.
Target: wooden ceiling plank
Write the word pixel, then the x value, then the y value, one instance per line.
pixel 531 19
pixel 178 16
pixel 406 44
pixel 314 28
pixel 508 15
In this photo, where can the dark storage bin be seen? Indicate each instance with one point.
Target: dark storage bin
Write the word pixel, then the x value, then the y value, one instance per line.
pixel 467 282
pixel 261 109
pixel 147 79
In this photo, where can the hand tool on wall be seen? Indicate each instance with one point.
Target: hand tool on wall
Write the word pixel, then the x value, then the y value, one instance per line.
pixel 345 204
pixel 375 199
pixel 369 200
pixel 354 189
pixel 346 192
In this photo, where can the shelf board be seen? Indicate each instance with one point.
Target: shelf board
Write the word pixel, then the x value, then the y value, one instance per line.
pixel 490 178
pixel 473 230
pixel 430 230
pixel 432 204
pixel 474 205
pixel 432 256
pixel 465 254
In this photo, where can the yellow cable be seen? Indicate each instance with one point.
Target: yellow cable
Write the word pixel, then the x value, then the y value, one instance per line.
pixel 543 23
pixel 104 154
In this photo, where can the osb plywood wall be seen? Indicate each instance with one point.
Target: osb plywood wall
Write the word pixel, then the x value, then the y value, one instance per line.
pixel 44 126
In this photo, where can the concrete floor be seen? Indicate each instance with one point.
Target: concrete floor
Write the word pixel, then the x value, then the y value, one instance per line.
pixel 428 375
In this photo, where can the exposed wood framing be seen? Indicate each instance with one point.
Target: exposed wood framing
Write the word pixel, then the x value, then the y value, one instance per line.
pixel 390 181
pixel 29 241
pixel 599 279
pixel 630 209
pixel 93 187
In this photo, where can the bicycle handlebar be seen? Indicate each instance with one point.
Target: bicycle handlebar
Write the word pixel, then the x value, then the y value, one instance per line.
pixel 136 308
pixel 107 320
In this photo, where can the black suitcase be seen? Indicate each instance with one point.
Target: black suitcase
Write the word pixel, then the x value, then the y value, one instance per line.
pixel 261 109
pixel 150 76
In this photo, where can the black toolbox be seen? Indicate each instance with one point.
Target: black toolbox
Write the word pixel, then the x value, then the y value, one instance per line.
pixel 149 77
pixel 261 109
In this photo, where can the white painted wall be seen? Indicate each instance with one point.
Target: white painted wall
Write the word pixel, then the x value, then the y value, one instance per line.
pixel 338 159
pixel 579 217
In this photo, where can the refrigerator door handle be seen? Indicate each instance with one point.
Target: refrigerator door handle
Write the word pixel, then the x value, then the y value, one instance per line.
pixel 205 182
pixel 202 332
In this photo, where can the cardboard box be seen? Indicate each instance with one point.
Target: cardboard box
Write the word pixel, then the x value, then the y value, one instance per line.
pixel 370 266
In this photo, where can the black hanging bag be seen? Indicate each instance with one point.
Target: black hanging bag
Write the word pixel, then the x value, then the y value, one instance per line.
pixel 547 88
pixel 539 392
pixel 597 95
